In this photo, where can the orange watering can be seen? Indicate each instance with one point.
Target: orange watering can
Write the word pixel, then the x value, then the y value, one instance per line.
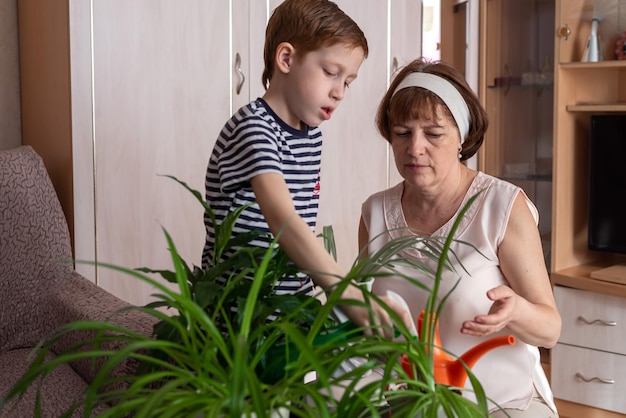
pixel 448 370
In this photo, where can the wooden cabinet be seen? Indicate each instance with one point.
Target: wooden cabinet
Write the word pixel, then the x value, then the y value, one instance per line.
pixel 118 93
pixel 589 362
pixel 539 138
pixel 517 92
pixel 583 89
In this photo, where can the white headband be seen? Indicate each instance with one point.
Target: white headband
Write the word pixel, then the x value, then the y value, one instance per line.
pixel 446 92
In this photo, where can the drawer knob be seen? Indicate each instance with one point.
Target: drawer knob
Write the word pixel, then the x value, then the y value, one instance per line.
pixel 597 321
pixel 595 379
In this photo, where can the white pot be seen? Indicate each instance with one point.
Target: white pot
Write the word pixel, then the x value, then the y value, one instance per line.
pixel 277 413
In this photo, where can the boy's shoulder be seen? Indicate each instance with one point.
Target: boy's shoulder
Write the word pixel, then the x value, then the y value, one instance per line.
pixel 255 109
pixel 254 115
pixel 258 116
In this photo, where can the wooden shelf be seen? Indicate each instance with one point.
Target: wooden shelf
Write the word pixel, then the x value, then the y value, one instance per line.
pixel 597 108
pixel 593 65
pixel 575 410
pixel 579 277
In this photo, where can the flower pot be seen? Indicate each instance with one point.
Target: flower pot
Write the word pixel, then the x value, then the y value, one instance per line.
pixel 369 284
pixel 276 413
pixel 276 359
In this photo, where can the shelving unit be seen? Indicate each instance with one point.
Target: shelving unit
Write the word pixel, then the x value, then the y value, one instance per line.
pixel 539 139
pixel 581 90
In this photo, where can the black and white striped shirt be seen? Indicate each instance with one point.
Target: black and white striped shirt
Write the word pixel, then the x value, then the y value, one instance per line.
pixel 256 141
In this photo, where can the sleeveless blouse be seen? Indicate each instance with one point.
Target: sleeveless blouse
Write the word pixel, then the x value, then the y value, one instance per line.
pixel 507 373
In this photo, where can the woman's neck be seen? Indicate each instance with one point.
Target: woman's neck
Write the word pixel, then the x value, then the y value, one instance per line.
pixel 428 210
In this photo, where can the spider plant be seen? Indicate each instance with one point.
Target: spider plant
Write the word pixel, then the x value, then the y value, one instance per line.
pixel 206 361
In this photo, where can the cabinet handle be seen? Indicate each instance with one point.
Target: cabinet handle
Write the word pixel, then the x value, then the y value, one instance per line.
pixel 564 31
pixel 394 66
pixel 595 379
pixel 597 321
pixel 242 78
pixel 507 73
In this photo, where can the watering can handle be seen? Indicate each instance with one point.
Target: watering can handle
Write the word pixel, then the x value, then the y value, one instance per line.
pixel 400 301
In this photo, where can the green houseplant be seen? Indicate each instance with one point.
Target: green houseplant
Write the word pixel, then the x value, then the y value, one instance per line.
pixel 205 361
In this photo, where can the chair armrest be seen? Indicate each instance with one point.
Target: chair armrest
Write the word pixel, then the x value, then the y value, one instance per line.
pixel 80 299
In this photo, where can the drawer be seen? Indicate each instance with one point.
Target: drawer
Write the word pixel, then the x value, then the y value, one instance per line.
pixel 605 372
pixel 592 320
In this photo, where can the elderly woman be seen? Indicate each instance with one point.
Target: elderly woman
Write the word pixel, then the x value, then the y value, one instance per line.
pixel 434 122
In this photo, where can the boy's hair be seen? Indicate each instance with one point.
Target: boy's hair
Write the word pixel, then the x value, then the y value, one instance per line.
pixel 418 103
pixel 308 25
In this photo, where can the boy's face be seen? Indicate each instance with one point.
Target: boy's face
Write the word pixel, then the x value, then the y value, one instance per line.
pixel 318 82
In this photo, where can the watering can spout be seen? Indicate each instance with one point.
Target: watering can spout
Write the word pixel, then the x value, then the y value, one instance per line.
pixel 457 374
pixel 450 371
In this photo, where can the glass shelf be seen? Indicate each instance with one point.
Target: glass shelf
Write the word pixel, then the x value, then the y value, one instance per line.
pixel 517 85
pixel 528 177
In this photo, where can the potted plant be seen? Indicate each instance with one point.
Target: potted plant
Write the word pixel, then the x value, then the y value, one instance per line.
pixel 206 361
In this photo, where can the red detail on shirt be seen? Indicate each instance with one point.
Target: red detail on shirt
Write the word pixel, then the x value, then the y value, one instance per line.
pixel 316 189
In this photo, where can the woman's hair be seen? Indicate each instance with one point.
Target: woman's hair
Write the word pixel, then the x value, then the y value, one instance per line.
pixel 309 25
pixel 418 103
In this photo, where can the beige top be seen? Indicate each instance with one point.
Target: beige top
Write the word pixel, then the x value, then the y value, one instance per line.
pixel 507 373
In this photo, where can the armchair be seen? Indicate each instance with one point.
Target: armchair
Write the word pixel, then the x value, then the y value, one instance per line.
pixel 38 292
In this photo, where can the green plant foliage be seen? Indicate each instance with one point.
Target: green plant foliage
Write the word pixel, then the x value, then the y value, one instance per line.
pixel 206 360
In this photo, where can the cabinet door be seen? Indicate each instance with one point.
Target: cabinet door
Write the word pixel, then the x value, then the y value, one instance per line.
pixel 518 96
pixel 160 83
pixel 575 17
pixel 589 377
pixel 241 61
pixel 405 45
pixel 248 38
pixel 591 320
pixel 356 159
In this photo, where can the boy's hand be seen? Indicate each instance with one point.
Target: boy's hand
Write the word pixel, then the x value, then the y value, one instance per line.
pixel 383 322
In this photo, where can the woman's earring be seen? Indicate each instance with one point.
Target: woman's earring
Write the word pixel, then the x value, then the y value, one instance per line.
pixel 460 155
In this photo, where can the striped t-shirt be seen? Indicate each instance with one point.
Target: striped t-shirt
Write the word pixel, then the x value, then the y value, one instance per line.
pixel 256 141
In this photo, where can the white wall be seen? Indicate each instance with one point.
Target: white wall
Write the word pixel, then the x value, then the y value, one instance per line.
pixel 10 122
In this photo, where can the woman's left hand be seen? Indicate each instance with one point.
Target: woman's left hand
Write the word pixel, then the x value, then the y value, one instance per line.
pixel 502 312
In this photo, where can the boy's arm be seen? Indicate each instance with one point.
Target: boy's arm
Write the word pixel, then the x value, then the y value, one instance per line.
pixel 305 249
pixel 296 237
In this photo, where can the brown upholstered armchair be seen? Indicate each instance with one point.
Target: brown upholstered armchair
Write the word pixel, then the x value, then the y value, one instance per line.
pixel 38 293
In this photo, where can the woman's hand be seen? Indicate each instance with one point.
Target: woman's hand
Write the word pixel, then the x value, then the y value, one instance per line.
pixel 502 312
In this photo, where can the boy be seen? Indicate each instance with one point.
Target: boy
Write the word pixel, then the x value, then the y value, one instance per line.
pixel 269 152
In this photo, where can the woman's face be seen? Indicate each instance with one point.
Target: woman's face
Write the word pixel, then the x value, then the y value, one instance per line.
pixel 426 150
